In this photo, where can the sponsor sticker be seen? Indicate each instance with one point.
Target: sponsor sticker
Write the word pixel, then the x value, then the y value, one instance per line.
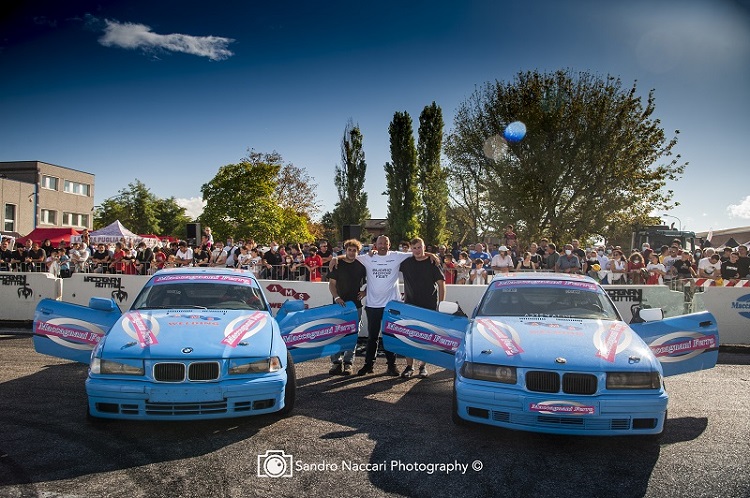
pixel 244 328
pixel 562 407
pixel 135 325
pixel 421 338
pixel 681 346
pixel 611 341
pixel 500 334
pixel 320 336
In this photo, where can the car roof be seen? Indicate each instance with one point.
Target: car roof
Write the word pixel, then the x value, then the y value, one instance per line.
pixel 191 270
pixel 563 277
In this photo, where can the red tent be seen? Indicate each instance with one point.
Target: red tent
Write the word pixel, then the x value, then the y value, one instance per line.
pixel 55 235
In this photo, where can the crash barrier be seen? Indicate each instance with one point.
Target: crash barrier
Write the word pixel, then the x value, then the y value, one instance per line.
pixel 20 293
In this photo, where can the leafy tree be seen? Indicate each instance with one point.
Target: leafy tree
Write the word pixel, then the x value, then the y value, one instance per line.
pixel 134 206
pixel 432 178
pixel 172 217
pixel 401 179
pixel 242 202
pixel 351 208
pixel 589 164
pixel 327 228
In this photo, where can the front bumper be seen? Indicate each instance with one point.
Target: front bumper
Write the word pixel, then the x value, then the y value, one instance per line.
pixel 610 414
pixel 143 400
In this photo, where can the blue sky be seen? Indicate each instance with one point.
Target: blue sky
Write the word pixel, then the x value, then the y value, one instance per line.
pixel 168 92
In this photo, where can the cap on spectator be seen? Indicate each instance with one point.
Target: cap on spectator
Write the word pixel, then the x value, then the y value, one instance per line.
pixel 502 248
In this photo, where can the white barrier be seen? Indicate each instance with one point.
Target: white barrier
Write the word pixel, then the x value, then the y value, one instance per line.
pixel 20 292
pixel 731 307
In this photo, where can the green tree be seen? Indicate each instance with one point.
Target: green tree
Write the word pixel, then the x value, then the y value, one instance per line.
pixel 401 180
pixel 589 164
pixel 242 202
pixel 432 177
pixel 172 217
pixel 351 208
pixel 134 206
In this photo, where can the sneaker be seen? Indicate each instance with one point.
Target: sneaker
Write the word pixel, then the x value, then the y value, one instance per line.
pixel 423 372
pixel 408 372
pixel 335 369
pixel 347 369
pixel 367 369
pixel 392 370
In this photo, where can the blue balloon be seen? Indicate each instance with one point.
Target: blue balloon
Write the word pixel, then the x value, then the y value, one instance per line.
pixel 515 132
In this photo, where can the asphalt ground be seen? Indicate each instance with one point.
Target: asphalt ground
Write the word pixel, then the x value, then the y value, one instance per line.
pixel 360 436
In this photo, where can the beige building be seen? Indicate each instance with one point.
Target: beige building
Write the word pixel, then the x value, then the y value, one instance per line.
pixel 42 195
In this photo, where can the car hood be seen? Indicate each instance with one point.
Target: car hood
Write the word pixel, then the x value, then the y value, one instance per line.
pixel 558 343
pixel 163 334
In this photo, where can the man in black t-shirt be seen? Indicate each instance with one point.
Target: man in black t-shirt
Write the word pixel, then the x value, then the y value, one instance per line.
pixel 744 261
pixel 344 283
pixel 730 269
pixel 325 254
pixel 424 286
pixel 272 260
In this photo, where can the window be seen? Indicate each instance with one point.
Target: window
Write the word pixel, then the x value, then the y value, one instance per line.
pixel 10 218
pixel 75 220
pixel 77 188
pixel 48 217
pixel 50 182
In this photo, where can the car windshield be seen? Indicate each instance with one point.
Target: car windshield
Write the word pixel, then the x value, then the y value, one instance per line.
pixel 200 292
pixel 547 298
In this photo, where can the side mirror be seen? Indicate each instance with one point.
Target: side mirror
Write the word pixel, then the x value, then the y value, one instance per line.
pixel 103 304
pixel 448 307
pixel 651 314
pixel 290 306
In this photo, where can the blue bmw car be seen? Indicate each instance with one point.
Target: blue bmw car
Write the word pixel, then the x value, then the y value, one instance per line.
pixel 550 353
pixel 197 343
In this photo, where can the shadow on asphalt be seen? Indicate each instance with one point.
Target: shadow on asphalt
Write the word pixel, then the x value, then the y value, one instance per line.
pixel 408 421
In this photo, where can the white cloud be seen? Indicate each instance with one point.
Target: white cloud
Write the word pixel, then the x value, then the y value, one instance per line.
pixel 741 210
pixel 194 206
pixel 139 36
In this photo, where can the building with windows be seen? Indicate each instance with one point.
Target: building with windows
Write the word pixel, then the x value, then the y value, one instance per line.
pixel 35 194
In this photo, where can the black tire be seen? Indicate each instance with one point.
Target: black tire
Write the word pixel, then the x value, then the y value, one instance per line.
pixel 290 391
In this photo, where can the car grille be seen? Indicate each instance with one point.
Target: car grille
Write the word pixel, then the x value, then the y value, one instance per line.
pixel 572 383
pixel 543 382
pixel 196 372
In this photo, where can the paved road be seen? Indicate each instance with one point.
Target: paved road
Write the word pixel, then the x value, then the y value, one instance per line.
pixel 373 436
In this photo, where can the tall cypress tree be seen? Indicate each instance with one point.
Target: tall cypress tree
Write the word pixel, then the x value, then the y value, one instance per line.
pixel 351 209
pixel 401 180
pixel 432 177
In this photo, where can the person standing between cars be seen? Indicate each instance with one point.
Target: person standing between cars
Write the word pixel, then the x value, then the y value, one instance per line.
pixel 344 284
pixel 424 286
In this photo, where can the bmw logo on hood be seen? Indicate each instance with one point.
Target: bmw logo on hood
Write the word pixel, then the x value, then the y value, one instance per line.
pixel 187 350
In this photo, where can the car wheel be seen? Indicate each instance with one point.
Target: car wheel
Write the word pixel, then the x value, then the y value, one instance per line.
pixel 454 408
pixel 290 391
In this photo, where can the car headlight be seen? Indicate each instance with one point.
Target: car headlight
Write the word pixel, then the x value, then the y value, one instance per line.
pixel 492 373
pixel 272 364
pixel 108 367
pixel 633 380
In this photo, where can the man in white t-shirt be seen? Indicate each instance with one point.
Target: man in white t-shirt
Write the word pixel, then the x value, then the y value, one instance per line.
pixel 184 255
pixel 710 267
pixel 382 286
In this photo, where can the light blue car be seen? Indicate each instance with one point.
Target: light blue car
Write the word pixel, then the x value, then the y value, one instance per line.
pixel 549 353
pixel 198 343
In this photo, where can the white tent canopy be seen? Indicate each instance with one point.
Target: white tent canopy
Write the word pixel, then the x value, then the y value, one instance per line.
pixel 111 234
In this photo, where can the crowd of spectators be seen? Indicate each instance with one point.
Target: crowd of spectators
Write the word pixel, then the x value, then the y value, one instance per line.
pixel 473 264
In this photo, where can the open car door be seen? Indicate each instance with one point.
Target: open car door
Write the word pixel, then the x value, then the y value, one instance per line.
pixel 71 331
pixel 318 332
pixel 430 336
pixel 682 344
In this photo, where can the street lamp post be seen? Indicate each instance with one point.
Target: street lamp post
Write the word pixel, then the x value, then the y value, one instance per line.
pixel 675 217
